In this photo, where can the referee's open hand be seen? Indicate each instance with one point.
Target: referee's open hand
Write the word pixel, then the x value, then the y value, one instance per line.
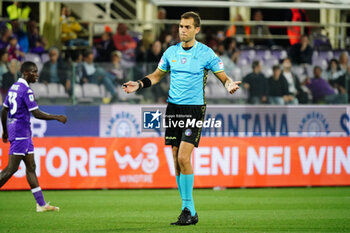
pixel 233 86
pixel 130 87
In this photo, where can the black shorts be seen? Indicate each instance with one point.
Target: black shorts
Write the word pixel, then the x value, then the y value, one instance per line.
pixel 187 132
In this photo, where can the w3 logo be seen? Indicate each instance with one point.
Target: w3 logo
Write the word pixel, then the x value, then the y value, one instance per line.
pixel 147 158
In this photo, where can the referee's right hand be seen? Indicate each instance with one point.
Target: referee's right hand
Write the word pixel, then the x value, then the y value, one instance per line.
pixel 130 87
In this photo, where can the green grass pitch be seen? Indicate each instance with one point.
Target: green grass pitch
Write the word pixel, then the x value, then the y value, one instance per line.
pixel 233 210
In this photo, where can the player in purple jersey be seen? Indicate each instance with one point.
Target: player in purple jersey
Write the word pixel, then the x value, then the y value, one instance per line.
pixel 15 119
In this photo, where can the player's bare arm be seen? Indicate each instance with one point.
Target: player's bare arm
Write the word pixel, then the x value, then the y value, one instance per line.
pixel 45 116
pixel 155 78
pixel 230 85
pixel 4 112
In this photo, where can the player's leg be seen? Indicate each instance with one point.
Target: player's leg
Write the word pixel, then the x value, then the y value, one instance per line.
pixel 186 175
pixel 177 170
pixel 189 139
pixel 32 179
pixel 188 215
pixel 11 168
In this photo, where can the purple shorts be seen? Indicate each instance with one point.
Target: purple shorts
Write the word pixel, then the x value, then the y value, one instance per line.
pixel 21 147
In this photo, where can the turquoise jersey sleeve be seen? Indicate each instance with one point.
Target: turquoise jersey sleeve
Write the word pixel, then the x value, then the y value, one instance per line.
pixel 163 64
pixel 214 62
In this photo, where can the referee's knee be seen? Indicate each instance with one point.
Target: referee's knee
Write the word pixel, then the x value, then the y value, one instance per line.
pixel 184 160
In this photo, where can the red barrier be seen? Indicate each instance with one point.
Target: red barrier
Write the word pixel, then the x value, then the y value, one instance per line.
pixel 86 163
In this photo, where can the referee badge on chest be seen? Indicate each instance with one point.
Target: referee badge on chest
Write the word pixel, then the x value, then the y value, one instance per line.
pixel 183 60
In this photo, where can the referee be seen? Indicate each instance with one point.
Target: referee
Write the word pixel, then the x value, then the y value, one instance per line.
pixel 188 63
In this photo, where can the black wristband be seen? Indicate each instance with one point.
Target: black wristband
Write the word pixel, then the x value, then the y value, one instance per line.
pixel 146 82
pixel 140 86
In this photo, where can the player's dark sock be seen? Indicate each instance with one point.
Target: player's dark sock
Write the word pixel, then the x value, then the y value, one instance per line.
pixel 38 195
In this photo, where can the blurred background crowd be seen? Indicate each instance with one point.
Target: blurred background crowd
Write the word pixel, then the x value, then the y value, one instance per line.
pixel 300 67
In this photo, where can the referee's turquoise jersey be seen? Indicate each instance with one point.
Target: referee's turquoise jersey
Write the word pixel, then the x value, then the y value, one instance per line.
pixel 189 72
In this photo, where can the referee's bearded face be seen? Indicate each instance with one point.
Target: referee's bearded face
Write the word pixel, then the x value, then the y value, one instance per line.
pixel 187 30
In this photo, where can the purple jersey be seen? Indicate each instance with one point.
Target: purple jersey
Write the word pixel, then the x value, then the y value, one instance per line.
pixel 20 101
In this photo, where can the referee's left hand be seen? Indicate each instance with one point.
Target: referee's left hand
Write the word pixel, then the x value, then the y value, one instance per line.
pixel 130 87
pixel 233 87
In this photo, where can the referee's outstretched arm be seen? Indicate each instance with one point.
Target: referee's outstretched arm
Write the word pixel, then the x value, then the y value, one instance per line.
pixel 230 85
pixel 148 81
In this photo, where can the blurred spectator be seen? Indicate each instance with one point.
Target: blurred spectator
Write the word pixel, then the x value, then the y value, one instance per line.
pixel 143 45
pixel 240 32
pixel 319 87
pixel 295 93
pixel 321 90
pixel 256 84
pixel 3 62
pixel 344 62
pixel 294 32
pixel 15 11
pixel 231 49
pixel 116 69
pixel 105 47
pixel 70 29
pixel 3 68
pixel 278 87
pixel 161 30
pixel 122 40
pixel 320 39
pixel 301 53
pixel 56 71
pixel 9 77
pixel 333 72
pixel 261 31
pixel 36 42
pixel 22 37
pixel 153 56
pixel 77 68
pixel 14 49
pixel 343 82
pixel 228 63
pixel 91 73
pixel 5 35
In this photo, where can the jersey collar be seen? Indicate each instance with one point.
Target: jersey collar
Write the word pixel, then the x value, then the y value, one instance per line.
pixel 22 80
pixel 195 45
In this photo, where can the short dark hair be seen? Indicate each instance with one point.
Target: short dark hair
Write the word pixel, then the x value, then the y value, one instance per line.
pixel 87 52
pixel 317 67
pixel 2 52
pixel 27 66
pixel 275 67
pixel 255 64
pixel 196 18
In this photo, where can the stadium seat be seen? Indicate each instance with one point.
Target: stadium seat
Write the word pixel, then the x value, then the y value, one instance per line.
pixel 270 62
pixel 237 74
pixel 279 54
pixel 45 57
pixel 325 55
pixel 40 90
pixel 56 91
pixel 91 90
pixel 32 57
pixel 246 70
pixel 242 61
pixel 267 71
pixel 104 93
pixel 78 93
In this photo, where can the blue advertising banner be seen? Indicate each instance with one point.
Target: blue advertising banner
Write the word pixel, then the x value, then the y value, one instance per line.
pixel 82 121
